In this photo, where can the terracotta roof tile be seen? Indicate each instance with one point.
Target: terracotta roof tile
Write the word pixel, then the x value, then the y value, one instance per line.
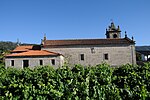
pixel 34 53
pixel 22 48
pixel 57 43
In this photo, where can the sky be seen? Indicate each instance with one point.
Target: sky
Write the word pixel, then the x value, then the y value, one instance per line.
pixel 29 20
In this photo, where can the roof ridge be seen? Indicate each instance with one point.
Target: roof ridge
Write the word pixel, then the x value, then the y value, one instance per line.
pixel 86 39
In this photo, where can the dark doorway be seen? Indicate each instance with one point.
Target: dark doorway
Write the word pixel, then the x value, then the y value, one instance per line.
pixel 25 63
pixel 41 62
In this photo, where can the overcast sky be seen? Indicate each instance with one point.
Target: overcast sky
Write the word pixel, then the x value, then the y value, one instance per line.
pixel 29 20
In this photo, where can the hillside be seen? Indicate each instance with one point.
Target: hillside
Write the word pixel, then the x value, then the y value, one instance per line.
pixel 7 46
pixel 142 48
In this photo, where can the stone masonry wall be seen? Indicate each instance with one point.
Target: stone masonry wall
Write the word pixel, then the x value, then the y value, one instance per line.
pixel 117 55
pixel 35 61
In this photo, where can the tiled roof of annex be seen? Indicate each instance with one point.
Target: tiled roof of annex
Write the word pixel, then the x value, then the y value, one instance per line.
pixel 72 42
pixel 22 48
pixel 33 53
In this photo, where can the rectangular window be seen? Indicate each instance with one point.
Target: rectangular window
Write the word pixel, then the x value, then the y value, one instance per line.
pixel 12 62
pixel 53 61
pixel 41 62
pixel 106 56
pixel 25 63
pixel 81 56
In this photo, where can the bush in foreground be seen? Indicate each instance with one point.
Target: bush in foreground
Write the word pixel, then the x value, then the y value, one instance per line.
pixel 99 82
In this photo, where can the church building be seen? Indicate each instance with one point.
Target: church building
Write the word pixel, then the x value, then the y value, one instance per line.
pixel 113 50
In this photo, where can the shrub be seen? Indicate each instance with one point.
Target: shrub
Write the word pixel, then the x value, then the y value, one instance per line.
pixel 99 82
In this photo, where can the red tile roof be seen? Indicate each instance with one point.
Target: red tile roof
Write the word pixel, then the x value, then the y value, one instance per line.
pixel 58 43
pixel 22 48
pixel 33 53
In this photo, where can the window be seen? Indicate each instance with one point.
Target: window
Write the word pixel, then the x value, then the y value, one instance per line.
pixel 41 62
pixel 53 61
pixel 12 62
pixel 25 63
pixel 106 56
pixel 82 56
pixel 115 36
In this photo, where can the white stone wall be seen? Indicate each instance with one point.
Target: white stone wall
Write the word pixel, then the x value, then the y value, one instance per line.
pixel 35 61
pixel 117 55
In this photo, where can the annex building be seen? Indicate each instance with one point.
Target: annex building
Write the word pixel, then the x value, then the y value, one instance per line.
pixel 113 50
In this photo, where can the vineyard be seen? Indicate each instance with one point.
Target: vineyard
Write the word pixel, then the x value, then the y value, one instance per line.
pixel 100 82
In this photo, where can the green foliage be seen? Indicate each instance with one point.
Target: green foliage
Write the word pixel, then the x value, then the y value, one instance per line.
pixel 7 46
pixel 138 57
pixel 99 82
pixel 134 81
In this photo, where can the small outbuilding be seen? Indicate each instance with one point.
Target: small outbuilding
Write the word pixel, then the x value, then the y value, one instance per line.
pixel 25 56
pixel 144 51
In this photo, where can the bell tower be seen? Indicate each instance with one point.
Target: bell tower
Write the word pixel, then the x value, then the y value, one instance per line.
pixel 113 32
pixel 43 40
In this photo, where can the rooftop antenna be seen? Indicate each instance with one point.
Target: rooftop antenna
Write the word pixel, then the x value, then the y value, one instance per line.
pixel 18 44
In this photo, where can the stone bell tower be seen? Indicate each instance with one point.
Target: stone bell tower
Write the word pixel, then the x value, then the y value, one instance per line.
pixel 113 32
